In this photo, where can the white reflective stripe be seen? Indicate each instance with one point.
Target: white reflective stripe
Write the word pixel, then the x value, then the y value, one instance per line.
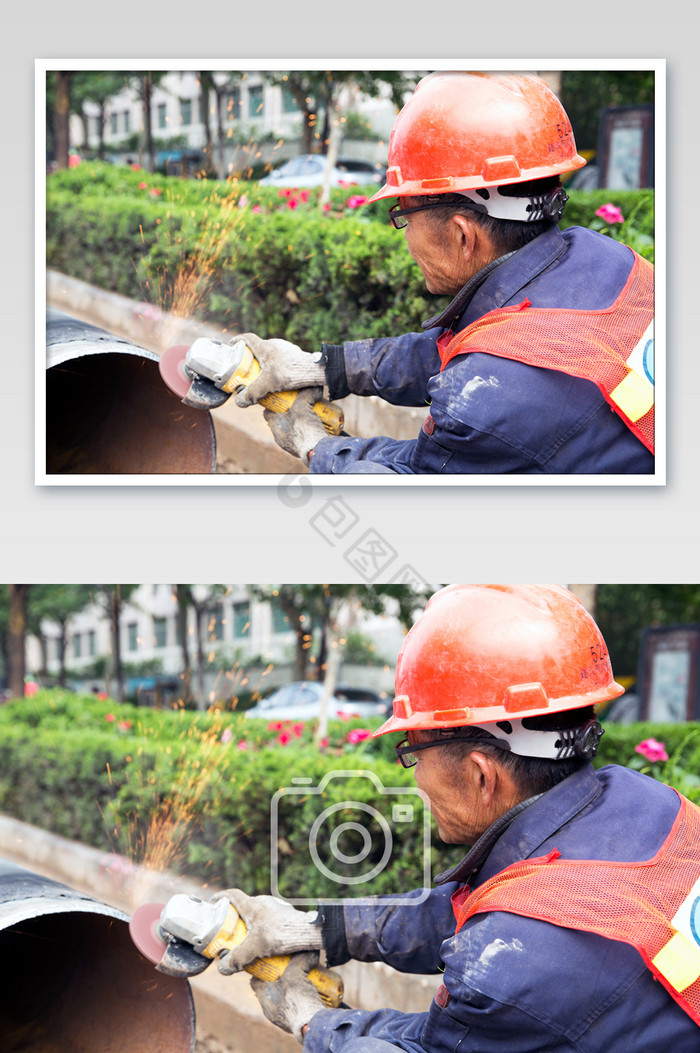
pixel 687 919
pixel 501 207
pixel 642 358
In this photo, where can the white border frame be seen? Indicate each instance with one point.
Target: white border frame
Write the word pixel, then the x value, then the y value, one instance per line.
pixel 658 66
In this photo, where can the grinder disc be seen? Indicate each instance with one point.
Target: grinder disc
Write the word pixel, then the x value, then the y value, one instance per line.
pixel 172 369
pixel 144 928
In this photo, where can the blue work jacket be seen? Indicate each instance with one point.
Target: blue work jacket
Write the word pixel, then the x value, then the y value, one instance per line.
pixel 491 415
pixel 516 984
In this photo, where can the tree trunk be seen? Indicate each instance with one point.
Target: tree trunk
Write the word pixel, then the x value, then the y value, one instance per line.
pixel 62 119
pixel 199 610
pixel 219 93
pixel 148 129
pixel 182 611
pixel 115 619
pixel 16 636
pixel 330 681
pixel 62 655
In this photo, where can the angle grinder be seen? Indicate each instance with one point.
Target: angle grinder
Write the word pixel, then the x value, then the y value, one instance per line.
pixel 207 373
pixel 183 936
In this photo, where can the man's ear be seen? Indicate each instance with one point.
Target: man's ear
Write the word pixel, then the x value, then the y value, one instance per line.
pixel 485 775
pixel 465 233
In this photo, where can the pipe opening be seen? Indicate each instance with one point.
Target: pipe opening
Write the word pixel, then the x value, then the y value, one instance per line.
pixel 109 412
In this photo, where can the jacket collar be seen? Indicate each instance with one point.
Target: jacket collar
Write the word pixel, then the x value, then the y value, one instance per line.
pixel 500 281
pixel 520 832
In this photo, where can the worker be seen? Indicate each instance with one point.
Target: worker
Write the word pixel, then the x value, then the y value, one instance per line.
pixel 548 935
pixel 560 379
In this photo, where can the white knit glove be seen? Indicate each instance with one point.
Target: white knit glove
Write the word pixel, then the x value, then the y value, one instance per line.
pixel 291 1001
pixel 273 927
pixel 284 367
pixel 299 429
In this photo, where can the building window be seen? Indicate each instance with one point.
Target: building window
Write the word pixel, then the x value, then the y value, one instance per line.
pixel 114 123
pixel 232 104
pixel 289 103
pixel 127 122
pixel 280 621
pixel 241 619
pixel 215 622
pixel 132 631
pixel 91 642
pixel 160 631
pixel 162 115
pixel 255 101
pixel 185 111
pixel 77 646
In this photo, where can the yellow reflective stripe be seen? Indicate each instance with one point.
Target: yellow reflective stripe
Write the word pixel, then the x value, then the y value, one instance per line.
pixel 679 962
pixel 634 396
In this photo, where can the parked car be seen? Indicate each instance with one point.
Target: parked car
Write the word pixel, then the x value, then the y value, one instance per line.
pixel 301 700
pixel 308 171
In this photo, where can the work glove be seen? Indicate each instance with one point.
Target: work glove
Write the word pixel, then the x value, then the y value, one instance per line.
pixel 299 429
pixel 273 927
pixel 291 1001
pixel 284 367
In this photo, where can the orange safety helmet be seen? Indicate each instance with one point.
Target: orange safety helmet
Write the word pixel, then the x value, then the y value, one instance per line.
pixel 461 131
pixel 485 653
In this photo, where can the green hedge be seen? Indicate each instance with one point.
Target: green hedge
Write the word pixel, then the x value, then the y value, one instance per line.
pixel 193 792
pixel 260 264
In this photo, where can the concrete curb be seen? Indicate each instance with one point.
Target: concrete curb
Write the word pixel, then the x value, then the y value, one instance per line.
pixel 226 1007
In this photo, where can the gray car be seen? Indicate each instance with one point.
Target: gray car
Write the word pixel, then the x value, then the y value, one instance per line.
pixel 308 171
pixel 301 700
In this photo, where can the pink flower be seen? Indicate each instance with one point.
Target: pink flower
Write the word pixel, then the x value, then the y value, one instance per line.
pixel 284 191
pixel 243 201
pixel 327 206
pixel 242 745
pixel 356 200
pixel 283 738
pixel 143 186
pixel 256 208
pixel 297 730
pixel 652 750
pixel 292 202
pixel 323 743
pixel 156 192
pixel 226 735
pixel 110 718
pixel 610 213
pixel 358 735
pixel 304 196
pixel 124 725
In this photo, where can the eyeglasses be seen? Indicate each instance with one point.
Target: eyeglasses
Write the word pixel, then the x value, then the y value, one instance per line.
pixel 396 214
pixel 406 752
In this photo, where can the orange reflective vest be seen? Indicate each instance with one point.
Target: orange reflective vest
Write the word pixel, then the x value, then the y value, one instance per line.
pixel 653 905
pixel 613 347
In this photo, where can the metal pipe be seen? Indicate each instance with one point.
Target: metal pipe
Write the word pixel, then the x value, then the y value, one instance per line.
pixel 109 412
pixel 73 979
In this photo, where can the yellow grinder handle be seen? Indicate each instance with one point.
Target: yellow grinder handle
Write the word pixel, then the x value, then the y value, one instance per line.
pixel 330 416
pixel 328 984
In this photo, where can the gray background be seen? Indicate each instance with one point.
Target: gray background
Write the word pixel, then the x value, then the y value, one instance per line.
pixel 437 532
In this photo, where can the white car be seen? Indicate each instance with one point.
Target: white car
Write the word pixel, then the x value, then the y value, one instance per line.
pixel 308 171
pixel 301 700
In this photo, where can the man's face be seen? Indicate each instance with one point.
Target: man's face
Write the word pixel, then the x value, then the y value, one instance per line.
pixel 454 800
pixel 434 246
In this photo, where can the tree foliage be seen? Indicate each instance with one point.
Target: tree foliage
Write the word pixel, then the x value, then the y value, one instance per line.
pixel 586 93
pixel 624 611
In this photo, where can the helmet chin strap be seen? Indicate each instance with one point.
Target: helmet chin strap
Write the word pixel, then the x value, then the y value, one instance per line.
pixel 547 745
pixel 492 202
